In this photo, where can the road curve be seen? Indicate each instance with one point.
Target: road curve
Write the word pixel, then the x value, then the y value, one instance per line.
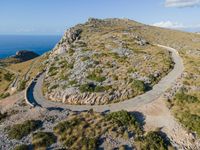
pixel 35 95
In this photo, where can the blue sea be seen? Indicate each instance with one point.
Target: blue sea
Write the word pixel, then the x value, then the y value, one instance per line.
pixel 10 44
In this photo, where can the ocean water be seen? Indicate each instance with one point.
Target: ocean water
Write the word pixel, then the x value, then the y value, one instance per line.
pixel 10 44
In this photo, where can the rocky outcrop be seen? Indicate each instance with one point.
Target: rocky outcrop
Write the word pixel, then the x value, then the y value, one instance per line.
pixel 73 96
pixel 141 41
pixel 70 36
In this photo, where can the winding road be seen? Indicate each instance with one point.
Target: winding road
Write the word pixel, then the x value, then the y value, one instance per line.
pixel 36 98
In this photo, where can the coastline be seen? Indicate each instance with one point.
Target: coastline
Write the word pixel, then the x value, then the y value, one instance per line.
pixel 39 44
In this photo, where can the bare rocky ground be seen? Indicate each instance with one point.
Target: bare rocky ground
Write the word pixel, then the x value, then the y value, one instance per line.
pixel 20 112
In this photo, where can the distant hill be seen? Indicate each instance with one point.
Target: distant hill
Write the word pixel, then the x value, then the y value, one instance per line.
pixel 20 56
pixel 25 55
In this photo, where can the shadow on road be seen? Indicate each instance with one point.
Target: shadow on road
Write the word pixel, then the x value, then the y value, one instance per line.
pixel 55 108
pixel 30 95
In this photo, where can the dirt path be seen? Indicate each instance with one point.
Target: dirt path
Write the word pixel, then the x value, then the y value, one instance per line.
pixel 158 116
pixel 8 102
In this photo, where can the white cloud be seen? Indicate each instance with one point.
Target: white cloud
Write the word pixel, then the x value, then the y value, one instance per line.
pixel 181 3
pixel 169 24
pixel 178 26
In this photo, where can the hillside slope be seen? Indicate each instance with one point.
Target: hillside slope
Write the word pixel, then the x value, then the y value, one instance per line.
pixel 111 34
pixel 103 61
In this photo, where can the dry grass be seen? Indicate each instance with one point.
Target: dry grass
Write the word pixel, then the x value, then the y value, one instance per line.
pixel 4 84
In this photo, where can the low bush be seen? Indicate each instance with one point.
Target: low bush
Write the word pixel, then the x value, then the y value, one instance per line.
pixel 64 77
pixel 85 58
pixel 74 134
pixel 4 95
pixel 89 143
pixel 96 77
pixel 51 69
pixel 152 141
pixel 22 85
pixel 138 86
pixel 43 139
pixel 182 97
pixel 8 76
pixel 190 121
pixel 62 126
pixel 18 131
pixel 71 51
pixel 123 118
pixel 90 87
pixel 54 86
pixel 22 147
pixel 72 82
pixel 71 65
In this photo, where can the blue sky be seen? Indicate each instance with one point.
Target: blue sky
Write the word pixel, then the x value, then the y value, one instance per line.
pixel 54 16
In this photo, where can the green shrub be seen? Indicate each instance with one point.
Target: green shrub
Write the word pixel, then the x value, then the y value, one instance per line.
pixel 65 64
pixel 182 97
pixel 85 58
pixel 96 77
pixel 4 95
pixel 153 141
pixel 51 69
pixel 22 85
pixel 131 70
pixel 71 51
pixel 99 89
pixel 190 121
pixel 22 147
pixel 71 65
pixel 54 86
pixel 90 87
pixel 123 118
pixel 18 131
pixel 115 77
pixel 64 77
pixel 72 82
pixel 8 76
pixel 43 139
pixel 62 126
pixel 74 134
pixel 89 143
pixel 138 86
pixel 152 78
pixel 69 141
